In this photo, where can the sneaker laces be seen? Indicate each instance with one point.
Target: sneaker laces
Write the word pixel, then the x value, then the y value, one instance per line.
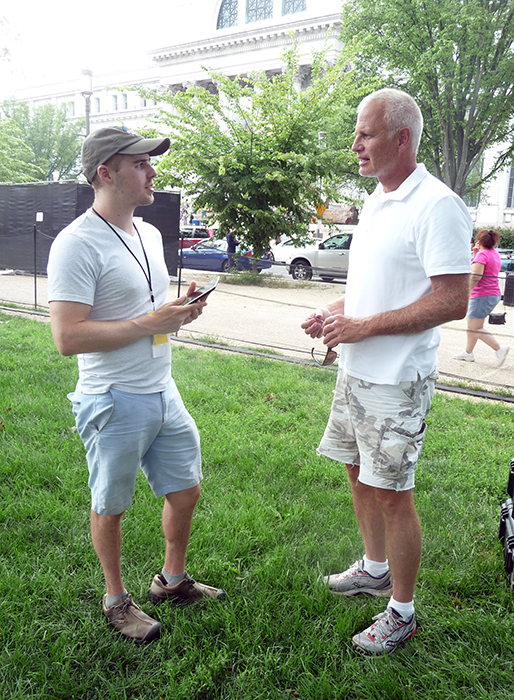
pixel 354 569
pixel 121 608
pixel 386 622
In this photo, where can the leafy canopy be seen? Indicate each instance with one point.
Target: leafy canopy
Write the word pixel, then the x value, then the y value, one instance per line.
pixel 455 57
pixel 255 152
pixel 16 158
pixel 52 139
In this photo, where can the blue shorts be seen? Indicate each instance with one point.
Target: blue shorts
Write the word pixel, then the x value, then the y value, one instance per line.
pixel 124 432
pixel 480 307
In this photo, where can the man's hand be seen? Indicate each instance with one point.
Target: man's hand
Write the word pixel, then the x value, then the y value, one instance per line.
pixel 169 317
pixel 344 329
pixel 313 324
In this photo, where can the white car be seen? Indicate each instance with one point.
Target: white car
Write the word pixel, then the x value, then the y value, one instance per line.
pixel 328 259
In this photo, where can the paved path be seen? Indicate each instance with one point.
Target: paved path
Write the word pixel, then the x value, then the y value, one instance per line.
pixel 268 317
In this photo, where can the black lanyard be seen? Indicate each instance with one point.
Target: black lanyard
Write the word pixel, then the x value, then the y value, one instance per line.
pixel 148 275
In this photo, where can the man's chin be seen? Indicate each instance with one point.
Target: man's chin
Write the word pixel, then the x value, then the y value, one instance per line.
pixel 148 200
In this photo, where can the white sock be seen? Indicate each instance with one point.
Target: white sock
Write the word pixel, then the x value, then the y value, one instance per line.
pixel 405 610
pixel 375 568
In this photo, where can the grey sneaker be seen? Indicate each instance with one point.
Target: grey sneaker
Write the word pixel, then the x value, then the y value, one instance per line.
pixel 131 621
pixel 355 580
pixel 186 591
pixel 386 634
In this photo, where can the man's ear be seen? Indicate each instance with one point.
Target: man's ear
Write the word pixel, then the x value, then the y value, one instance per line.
pixel 404 138
pixel 104 174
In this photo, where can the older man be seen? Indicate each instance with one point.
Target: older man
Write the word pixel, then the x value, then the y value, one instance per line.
pixel 408 273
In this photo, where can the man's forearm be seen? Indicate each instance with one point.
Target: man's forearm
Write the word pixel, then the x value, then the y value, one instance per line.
pixel 98 336
pixel 426 313
pixel 74 333
pixel 447 302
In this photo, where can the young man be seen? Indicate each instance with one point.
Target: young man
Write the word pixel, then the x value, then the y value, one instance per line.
pixel 408 273
pixel 108 284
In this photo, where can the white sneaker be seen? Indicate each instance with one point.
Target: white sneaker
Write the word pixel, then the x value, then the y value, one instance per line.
pixel 355 580
pixel 501 354
pixel 386 634
pixel 466 356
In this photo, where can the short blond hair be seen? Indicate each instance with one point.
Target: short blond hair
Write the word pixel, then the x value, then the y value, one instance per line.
pixel 400 111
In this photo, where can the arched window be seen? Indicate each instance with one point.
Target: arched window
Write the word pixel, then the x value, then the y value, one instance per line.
pixel 227 16
pixel 291 7
pixel 258 9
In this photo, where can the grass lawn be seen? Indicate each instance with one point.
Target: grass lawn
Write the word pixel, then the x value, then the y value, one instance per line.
pixel 273 519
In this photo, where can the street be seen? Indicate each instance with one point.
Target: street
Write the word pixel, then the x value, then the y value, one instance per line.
pixel 268 318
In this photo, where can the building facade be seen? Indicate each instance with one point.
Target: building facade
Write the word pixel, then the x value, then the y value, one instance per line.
pixel 233 37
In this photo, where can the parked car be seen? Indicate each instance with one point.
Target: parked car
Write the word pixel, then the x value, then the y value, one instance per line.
pixel 328 259
pixel 212 255
pixel 507 258
pixel 189 235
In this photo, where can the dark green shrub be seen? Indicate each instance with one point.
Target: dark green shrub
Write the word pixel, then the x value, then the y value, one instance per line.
pixel 507 236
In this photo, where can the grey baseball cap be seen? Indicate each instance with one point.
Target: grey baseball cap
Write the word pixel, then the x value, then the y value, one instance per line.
pixel 102 144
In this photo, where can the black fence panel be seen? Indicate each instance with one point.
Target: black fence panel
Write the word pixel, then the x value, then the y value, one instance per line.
pixel 25 240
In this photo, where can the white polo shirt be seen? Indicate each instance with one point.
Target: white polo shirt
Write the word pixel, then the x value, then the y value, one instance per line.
pixel 404 237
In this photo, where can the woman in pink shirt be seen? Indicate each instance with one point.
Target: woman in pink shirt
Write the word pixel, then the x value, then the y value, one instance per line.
pixel 485 295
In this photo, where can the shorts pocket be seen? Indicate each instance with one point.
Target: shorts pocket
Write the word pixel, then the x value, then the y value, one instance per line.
pixel 103 409
pixel 398 450
pixel 92 412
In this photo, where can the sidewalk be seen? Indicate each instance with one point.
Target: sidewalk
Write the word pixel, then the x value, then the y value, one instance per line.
pixel 267 318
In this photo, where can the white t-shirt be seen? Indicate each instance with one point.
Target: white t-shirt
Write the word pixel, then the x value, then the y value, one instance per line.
pixel 404 237
pixel 89 264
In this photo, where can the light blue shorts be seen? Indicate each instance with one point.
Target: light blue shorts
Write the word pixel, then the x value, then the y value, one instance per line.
pixel 125 432
pixel 480 307
pixel 380 428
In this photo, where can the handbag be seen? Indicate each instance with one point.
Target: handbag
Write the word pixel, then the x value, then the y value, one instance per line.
pixel 498 319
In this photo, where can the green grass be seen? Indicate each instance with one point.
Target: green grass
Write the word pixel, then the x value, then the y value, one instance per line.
pixel 273 518
pixel 250 278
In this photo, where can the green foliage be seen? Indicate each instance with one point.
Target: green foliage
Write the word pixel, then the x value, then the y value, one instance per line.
pixel 16 157
pixel 253 153
pixel 455 57
pixel 506 236
pixel 6 40
pixel 52 140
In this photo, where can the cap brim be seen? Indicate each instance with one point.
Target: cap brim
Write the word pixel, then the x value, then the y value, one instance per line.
pixel 154 147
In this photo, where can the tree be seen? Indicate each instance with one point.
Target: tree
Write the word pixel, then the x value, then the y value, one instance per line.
pixel 455 57
pixel 254 152
pixel 16 158
pixel 53 139
pixel 6 39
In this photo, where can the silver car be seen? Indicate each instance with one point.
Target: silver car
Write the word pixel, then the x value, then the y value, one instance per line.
pixel 328 259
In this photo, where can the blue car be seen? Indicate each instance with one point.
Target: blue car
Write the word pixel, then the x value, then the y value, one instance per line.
pixel 212 255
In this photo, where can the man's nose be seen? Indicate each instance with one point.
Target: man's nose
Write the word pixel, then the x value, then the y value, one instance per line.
pixel 356 145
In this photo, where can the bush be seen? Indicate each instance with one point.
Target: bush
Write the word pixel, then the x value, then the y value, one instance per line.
pixel 507 236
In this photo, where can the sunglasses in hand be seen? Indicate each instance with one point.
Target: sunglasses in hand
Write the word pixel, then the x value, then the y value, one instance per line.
pixel 329 359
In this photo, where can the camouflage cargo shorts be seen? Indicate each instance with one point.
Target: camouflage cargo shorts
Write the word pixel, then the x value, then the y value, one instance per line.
pixel 380 428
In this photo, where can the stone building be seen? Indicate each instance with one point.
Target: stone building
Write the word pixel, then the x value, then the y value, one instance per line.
pixel 233 37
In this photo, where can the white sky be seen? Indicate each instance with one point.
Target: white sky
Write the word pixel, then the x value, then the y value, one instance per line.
pixel 56 39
